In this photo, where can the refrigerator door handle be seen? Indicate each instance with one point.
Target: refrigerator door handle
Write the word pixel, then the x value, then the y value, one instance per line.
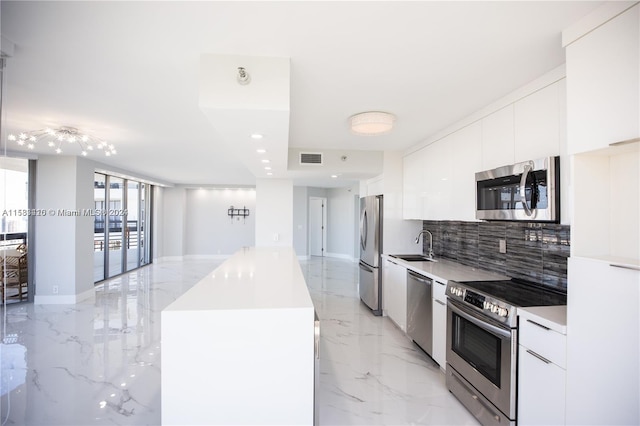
pixel 365 267
pixel 364 230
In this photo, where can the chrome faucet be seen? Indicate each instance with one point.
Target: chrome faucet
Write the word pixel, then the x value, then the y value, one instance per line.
pixel 424 231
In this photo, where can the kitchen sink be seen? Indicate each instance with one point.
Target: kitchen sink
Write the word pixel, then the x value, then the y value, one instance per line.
pixel 413 258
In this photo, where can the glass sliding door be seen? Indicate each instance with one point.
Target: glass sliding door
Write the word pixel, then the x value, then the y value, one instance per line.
pixel 122 227
pixel 15 251
pixel 115 225
pixel 99 220
pixel 143 255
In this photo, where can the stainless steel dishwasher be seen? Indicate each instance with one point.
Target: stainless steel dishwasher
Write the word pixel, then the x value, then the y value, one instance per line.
pixel 420 311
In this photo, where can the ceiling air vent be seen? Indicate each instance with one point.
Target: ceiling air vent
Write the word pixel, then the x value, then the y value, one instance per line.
pixel 313 158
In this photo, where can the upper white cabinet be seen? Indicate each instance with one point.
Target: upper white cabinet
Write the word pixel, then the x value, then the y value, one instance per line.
pixel 465 154
pixel 530 128
pixel 447 170
pixel 603 89
pixel 537 123
pixel 498 139
pixel 439 179
pixel 413 184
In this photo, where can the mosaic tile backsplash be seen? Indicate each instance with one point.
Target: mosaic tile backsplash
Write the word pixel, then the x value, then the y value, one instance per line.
pixel 536 252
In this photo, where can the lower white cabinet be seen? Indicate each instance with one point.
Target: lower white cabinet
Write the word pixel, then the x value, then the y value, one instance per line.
pixel 603 341
pixel 541 373
pixel 394 293
pixel 439 298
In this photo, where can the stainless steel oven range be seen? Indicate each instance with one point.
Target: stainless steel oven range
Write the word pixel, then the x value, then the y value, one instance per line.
pixel 482 343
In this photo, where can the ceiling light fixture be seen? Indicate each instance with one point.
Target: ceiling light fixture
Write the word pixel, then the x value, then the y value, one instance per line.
pixel 261 151
pixel 256 136
pixel 372 123
pixel 56 139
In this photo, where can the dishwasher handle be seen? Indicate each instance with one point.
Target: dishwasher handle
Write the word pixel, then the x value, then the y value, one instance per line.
pixel 418 277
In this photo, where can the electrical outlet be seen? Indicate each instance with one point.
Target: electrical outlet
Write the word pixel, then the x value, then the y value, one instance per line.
pixel 503 246
pixel 55 289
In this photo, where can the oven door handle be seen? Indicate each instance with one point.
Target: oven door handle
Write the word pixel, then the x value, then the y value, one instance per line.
pixel 469 316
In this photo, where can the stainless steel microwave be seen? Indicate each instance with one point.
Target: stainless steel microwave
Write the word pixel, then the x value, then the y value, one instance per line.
pixel 527 191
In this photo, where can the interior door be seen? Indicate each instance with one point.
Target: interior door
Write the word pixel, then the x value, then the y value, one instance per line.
pixel 317 226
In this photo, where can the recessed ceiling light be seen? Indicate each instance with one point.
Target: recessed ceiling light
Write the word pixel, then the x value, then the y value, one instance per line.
pixel 334 176
pixel 261 151
pixel 265 161
pixel 269 174
pixel 267 168
pixel 256 136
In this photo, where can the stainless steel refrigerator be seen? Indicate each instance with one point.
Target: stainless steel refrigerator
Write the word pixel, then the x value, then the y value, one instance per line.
pixel 370 280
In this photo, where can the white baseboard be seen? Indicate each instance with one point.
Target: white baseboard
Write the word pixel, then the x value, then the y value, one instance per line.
pixel 167 259
pixel 206 256
pixel 341 256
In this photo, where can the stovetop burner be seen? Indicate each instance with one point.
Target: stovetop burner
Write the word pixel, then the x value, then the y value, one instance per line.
pixel 499 299
pixel 519 293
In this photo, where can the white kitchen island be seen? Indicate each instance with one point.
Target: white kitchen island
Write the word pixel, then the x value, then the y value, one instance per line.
pixel 238 347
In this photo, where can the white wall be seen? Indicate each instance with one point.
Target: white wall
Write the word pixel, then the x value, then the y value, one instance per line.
pixel 209 229
pixel 301 221
pixel 341 221
pixel 157 249
pixel 63 242
pixel 274 212
pixel 173 221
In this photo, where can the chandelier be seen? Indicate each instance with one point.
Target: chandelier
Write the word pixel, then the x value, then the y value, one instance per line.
pixel 62 138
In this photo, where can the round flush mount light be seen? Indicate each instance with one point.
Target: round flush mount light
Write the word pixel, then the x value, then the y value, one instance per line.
pixel 372 123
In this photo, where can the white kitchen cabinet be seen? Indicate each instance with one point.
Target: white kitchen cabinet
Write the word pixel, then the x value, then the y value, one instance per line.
pixel 439 298
pixel 413 166
pixel 465 148
pixel 450 165
pixel 437 181
pixel 394 296
pixel 603 87
pixel 530 128
pixel 541 390
pixel 541 366
pixel 603 338
pixel 537 123
pixel 498 139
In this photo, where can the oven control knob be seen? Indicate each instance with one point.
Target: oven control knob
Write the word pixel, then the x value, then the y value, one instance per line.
pixel 452 290
pixel 503 312
pixel 459 292
pixel 494 309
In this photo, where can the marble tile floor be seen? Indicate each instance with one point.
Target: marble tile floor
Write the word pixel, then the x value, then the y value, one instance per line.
pixel 99 363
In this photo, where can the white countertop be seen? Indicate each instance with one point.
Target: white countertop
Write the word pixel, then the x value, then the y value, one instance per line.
pixel 253 278
pixel 445 270
pixel 553 317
